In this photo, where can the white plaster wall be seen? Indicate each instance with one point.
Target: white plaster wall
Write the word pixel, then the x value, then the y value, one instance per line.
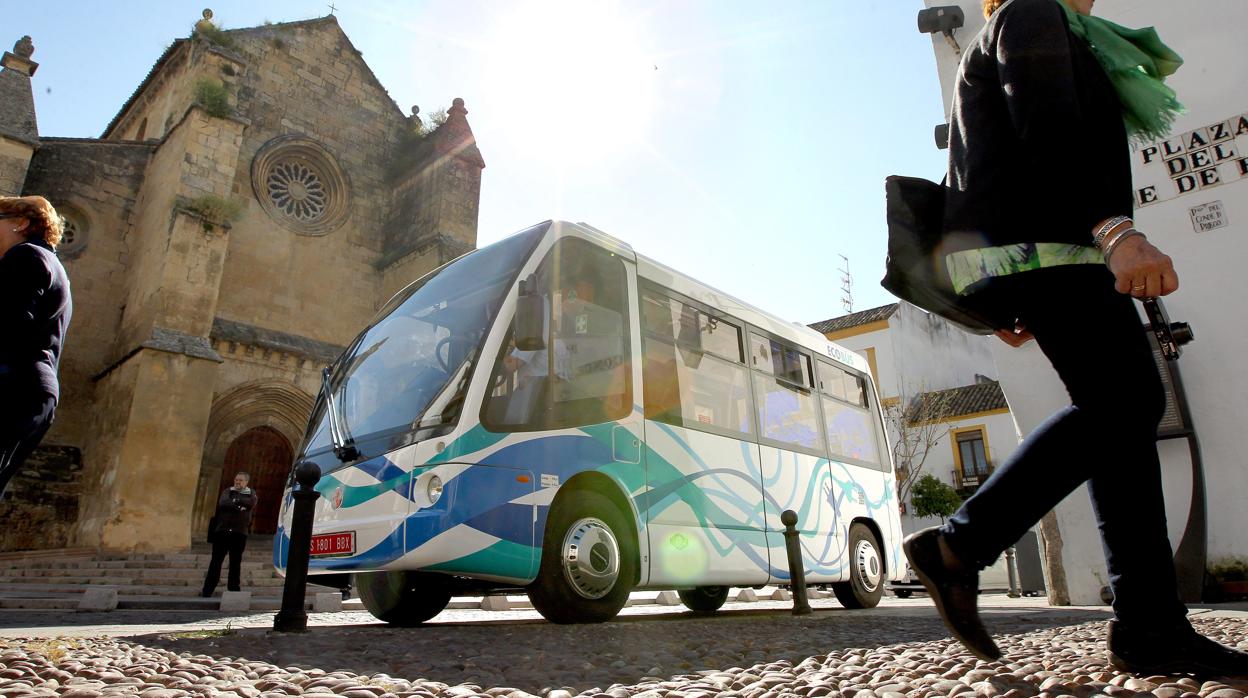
pixel 1003 439
pixel 934 355
pixel 920 352
pixel 1209 36
pixel 885 357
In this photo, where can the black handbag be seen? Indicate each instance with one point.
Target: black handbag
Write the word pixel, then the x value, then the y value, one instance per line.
pixel 212 530
pixel 915 271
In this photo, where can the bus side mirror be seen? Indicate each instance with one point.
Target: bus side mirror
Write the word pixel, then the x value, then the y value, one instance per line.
pixel 530 321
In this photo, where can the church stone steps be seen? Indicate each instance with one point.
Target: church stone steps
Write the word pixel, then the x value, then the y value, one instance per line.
pixel 69 602
pixel 72 570
pixel 112 580
pixel 140 589
pixel 37 590
pixel 156 581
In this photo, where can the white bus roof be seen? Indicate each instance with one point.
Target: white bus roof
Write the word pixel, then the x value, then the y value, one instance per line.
pixel 664 275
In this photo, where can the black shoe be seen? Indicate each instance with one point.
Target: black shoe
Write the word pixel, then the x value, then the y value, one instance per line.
pixel 956 593
pixel 205 594
pixel 1178 651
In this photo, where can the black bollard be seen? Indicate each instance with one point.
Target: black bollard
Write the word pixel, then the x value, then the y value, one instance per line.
pixel 797 573
pixel 292 618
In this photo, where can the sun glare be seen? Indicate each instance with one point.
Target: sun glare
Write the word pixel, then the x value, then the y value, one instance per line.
pixel 573 78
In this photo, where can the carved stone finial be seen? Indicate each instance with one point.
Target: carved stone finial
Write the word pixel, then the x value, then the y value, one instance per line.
pixel 24 48
pixel 415 111
pixel 457 107
pixel 205 24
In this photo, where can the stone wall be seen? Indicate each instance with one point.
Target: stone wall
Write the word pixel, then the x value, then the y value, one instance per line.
pixel 172 88
pixel 100 180
pixel 307 80
pixel 142 476
pixel 166 279
pixel 189 331
pixel 40 507
pixel 14 159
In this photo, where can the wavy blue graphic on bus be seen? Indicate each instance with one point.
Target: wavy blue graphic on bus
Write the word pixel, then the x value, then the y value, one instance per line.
pixel 489 507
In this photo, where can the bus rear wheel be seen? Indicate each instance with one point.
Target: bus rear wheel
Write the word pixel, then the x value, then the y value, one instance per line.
pixel 866 571
pixel 402 598
pixel 588 566
pixel 703 599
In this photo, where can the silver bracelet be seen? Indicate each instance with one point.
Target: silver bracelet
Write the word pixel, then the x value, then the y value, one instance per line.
pixel 1108 226
pixel 1114 235
pixel 1114 243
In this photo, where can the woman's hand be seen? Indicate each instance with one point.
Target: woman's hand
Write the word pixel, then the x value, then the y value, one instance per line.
pixel 1142 270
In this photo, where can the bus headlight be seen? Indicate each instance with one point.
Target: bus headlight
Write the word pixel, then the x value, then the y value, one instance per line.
pixel 433 489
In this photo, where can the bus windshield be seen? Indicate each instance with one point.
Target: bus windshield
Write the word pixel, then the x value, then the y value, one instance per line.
pixel 408 370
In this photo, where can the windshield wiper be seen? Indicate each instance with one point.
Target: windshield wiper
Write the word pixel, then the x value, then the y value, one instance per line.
pixel 344 447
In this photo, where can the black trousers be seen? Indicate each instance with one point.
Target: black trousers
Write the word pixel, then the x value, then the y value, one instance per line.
pixel 23 422
pixel 232 543
pixel 1107 438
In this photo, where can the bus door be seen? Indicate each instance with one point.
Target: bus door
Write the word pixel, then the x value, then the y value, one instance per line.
pixel 795 471
pixel 704 493
pixel 862 481
pixel 569 401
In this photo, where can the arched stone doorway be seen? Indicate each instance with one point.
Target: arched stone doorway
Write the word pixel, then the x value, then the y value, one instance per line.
pixel 264 454
pixel 280 407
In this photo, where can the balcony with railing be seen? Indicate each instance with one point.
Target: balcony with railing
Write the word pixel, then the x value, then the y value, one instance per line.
pixel 967 482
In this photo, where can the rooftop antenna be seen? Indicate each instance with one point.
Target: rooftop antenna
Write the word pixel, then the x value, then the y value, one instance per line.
pixel 847 286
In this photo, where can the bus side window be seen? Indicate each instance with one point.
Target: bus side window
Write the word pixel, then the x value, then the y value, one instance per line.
pixel 693 372
pixel 850 428
pixel 582 376
pixel 787 411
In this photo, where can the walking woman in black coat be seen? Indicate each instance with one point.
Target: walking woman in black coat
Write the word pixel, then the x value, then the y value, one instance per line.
pixel 1046 79
pixel 34 314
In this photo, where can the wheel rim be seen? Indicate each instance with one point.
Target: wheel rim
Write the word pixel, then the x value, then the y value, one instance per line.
pixel 867 565
pixel 591 558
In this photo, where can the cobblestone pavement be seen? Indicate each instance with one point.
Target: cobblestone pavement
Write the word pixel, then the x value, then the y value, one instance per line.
pixel 899 649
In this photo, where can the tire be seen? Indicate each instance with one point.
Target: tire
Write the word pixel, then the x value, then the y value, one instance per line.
pixel 579 585
pixel 903 593
pixel 866 571
pixel 404 599
pixel 703 599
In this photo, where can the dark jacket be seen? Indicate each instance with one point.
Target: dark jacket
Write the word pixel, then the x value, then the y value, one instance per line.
pixel 234 509
pixel 35 309
pixel 1038 151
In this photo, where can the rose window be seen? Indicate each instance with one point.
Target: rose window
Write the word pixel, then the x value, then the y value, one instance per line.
pixel 297 190
pixel 300 185
pixel 74 231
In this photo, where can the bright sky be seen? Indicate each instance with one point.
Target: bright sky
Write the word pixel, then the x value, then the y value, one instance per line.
pixel 743 143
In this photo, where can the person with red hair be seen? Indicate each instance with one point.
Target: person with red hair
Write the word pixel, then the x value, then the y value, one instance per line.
pixel 35 308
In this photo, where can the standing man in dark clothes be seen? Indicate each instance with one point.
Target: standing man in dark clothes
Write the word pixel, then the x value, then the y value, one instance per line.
pixel 229 530
pixel 34 313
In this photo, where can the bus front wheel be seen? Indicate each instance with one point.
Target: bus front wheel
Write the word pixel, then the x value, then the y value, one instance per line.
pixel 703 599
pixel 402 598
pixel 866 571
pixel 587 567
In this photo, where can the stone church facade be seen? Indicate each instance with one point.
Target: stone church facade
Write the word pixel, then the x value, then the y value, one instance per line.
pixel 249 208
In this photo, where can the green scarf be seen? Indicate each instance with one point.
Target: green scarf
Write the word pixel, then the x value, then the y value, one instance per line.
pixel 1137 63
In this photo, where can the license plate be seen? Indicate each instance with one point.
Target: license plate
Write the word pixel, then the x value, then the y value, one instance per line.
pixel 327 544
